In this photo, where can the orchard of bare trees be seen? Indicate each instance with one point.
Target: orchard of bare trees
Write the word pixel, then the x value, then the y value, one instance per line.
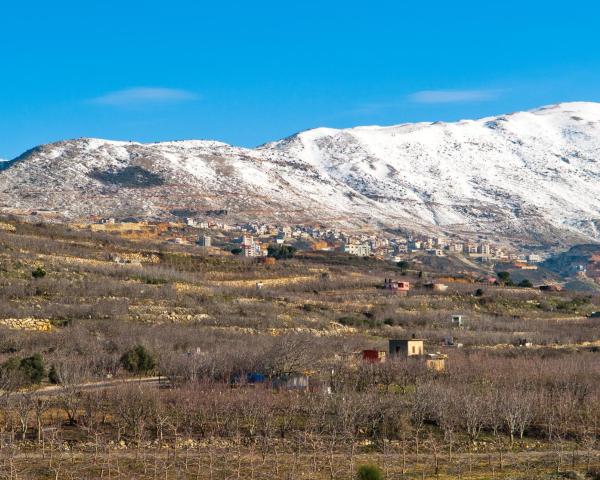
pixel 486 406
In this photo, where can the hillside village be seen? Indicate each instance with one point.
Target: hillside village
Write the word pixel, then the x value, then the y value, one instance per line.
pixel 473 258
pixel 255 237
pixel 522 181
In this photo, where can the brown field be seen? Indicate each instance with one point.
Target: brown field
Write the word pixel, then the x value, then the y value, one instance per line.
pixel 497 411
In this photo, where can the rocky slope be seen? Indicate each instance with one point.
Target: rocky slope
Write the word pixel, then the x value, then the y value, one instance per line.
pixel 528 175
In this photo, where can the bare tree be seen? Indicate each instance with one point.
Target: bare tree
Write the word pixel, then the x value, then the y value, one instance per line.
pixel 72 374
pixel 516 410
pixel 22 405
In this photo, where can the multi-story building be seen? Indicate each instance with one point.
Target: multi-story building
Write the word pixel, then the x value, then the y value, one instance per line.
pixel 456 247
pixel 470 248
pixel 359 249
pixel 484 249
pixel 247 240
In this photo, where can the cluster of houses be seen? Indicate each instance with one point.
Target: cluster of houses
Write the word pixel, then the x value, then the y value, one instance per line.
pixel 256 235
pixel 481 250
pixel 412 349
pixel 394 248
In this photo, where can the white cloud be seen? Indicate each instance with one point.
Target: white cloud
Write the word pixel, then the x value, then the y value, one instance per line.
pixel 452 96
pixel 139 96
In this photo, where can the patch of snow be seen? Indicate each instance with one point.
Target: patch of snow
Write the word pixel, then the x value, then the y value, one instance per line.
pixel 524 173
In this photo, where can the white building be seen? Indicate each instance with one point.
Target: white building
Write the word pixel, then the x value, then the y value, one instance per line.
pixel 456 247
pixel 252 248
pixel 359 249
pixel 470 248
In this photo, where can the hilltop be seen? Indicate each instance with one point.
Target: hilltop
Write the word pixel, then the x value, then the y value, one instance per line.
pixel 526 176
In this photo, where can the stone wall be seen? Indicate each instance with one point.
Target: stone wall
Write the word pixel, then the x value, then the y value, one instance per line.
pixel 34 324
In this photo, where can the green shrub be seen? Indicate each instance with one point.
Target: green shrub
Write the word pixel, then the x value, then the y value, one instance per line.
pixel 573 305
pixel 236 251
pixel 33 368
pixel 39 272
pixel 281 252
pixel 403 265
pixel 525 284
pixel 504 277
pixel 369 321
pixel 138 360
pixel 24 371
pixel 53 376
pixel 369 472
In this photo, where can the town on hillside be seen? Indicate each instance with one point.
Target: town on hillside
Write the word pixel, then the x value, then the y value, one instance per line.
pixel 471 255
pixel 255 237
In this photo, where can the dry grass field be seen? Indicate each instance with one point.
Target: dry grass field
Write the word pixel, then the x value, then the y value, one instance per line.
pixel 79 307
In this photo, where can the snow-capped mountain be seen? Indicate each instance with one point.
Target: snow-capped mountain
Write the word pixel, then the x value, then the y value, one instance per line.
pixel 529 175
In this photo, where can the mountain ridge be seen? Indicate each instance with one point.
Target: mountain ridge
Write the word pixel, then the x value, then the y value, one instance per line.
pixel 531 175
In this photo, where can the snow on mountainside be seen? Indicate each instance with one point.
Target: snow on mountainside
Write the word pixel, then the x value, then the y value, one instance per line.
pixel 530 175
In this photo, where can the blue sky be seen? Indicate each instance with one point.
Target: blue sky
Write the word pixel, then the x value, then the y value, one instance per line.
pixel 247 72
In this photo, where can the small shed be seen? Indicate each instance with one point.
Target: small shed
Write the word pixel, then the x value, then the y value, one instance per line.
pixel 373 356
pixel 457 320
pixel 436 362
pixel 406 348
pixel 395 286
